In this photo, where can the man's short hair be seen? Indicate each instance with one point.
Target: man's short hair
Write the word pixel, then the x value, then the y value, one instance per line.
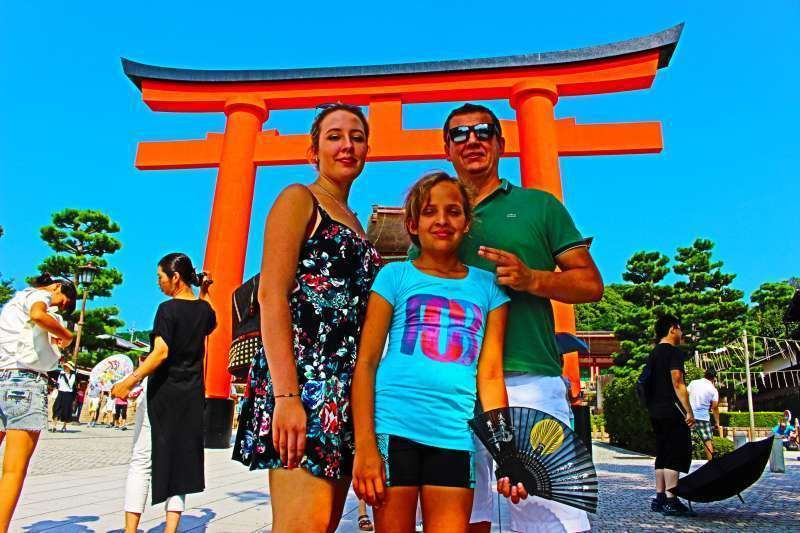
pixel 467 109
pixel 710 374
pixel 664 324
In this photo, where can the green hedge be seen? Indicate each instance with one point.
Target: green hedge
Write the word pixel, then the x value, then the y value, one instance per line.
pixel 721 446
pixel 627 422
pixel 598 422
pixel 763 419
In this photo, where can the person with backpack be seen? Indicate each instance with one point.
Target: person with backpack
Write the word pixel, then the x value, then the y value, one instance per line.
pixel 671 415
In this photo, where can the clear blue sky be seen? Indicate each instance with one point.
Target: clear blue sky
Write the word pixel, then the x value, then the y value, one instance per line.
pixel 728 104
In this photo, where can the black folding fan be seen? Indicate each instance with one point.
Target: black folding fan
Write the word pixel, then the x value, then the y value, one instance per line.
pixel 541 452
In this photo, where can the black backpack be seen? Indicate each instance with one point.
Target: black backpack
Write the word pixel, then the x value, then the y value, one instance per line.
pixel 644 385
pixel 246 328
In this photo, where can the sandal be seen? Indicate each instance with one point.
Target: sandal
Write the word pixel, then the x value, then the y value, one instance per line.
pixel 364 523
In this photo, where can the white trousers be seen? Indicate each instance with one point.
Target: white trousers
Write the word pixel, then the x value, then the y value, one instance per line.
pixel 534 514
pixel 137 485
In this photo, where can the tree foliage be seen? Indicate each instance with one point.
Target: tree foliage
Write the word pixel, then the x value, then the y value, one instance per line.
pixel 605 314
pixel 712 312
pixel 647 297
pixel 97 321
pixel 770 302
pixel 80 237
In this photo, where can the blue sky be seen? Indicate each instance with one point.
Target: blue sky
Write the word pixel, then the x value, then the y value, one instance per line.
pixel 71 121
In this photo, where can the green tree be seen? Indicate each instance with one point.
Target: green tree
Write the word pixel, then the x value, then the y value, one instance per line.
pixel 97 321
pixel 647 296
pixel 765 317
pixel 605 314
pixel 712 313
pixel 6 285
pixel 80 237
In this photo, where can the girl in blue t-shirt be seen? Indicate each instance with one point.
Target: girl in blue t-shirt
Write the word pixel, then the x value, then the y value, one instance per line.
pixel 445 322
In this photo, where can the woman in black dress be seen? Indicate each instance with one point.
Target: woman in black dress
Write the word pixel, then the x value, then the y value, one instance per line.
pixel 168 444
pixel 62 408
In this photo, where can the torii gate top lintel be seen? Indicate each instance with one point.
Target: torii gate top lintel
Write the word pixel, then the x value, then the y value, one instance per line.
pixel 532 83
pixel 663 42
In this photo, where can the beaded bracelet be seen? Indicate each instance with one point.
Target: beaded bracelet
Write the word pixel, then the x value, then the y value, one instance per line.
pixel 290 395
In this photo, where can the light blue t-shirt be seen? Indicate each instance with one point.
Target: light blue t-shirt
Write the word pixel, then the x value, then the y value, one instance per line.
pixel 426 384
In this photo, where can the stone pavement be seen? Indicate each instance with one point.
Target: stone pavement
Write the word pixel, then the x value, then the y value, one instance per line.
pixel 76 480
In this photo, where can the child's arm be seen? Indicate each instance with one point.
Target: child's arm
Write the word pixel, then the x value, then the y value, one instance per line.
pixel 491 386
pixel 368 472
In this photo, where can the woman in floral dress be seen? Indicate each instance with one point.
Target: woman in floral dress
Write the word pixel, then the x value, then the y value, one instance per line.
pixel 316 273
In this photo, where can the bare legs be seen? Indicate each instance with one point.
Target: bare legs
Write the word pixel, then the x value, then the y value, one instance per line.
pixel 305 503
pixel 444 509
pixel 19 449
pixel 666 478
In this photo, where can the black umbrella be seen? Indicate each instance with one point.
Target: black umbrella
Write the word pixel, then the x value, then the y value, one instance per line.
pixel 726 476
pixel 567 342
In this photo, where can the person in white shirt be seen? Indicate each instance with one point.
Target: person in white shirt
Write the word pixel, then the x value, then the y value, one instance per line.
pixel 108 410
pixel 62 410
pixel 30 335
pixel 704 397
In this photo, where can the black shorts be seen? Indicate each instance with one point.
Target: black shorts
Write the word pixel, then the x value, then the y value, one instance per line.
pixel 411 464
pixel 673 444
pixel 120 411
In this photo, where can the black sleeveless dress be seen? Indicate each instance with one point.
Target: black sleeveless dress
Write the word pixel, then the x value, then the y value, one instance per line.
pixel 176 398
pixel 334 274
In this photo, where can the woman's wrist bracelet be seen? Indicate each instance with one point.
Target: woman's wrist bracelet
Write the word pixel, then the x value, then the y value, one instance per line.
pixel 289 395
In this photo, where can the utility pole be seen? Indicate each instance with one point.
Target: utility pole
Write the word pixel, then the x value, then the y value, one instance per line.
pixel 749 386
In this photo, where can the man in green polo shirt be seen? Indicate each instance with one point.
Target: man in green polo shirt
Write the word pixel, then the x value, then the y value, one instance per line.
pixel 522 235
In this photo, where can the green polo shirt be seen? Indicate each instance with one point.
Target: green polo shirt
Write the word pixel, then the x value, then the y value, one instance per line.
pixel 536 227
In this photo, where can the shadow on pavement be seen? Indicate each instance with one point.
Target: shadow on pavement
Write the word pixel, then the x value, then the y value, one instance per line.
pixel 250 496
pixel 71 524
pixel 190 522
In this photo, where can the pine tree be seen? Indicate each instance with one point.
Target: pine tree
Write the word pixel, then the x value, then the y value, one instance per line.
pixel 712 313
pixel 647 297
pixel 765 317
pixel 80 237
pixel 605 314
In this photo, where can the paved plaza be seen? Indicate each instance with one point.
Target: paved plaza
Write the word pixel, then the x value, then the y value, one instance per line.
pixel 76 480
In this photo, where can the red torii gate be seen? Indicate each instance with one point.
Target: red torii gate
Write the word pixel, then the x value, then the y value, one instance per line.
pixel 532 83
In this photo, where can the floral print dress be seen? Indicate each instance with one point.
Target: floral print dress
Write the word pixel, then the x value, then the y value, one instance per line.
pixel 333 279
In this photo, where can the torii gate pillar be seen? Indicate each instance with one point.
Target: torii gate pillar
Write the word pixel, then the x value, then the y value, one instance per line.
pixel 534 102
pixel 227 239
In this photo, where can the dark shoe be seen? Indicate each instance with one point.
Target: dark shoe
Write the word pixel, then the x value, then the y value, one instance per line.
pixel 364 523
pixel 656 506
pixel 674 507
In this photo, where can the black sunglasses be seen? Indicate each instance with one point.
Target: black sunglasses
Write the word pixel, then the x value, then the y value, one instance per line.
pixel 340 105
pixel 483 132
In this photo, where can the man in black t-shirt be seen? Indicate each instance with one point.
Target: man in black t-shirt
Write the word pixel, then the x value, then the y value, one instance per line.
pixel 670 414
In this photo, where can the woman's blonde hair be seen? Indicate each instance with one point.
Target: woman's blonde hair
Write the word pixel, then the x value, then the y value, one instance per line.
pixel 420 194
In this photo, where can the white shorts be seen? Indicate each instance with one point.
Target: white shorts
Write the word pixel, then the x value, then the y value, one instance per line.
pixel 548 394
pixel 94 404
